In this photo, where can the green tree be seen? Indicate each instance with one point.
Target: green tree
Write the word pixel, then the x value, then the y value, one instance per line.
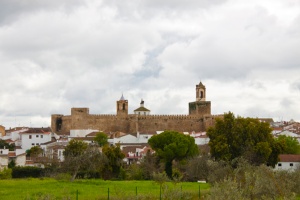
pixel 75 157
pixel 172 145
pixel 114 162
pixel 101 138
pixel 75 148
pixel 34 151
pixel 4 144
pixel 290 144
pixel 233 137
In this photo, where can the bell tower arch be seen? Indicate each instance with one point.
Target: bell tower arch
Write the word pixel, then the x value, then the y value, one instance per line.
pixel 200 92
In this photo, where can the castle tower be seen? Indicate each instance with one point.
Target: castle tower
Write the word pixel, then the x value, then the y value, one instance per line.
pixel 122 107
pixel 200 106
pixel 200 92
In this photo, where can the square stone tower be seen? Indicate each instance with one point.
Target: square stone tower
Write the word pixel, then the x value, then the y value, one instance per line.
pixel 200 106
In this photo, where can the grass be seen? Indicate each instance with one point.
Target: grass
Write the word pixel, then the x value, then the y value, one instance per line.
pixel 37 189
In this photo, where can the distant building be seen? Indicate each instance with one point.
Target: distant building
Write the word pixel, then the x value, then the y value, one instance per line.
pixel 198 119
pixel 35 137
pixel 142 110
pixel 288 162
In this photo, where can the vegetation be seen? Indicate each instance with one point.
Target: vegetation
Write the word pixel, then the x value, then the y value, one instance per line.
pixel 96 189
pixel 101 138
pixel 170 146
pixel 233 137
pixel 290 145
pixel 4 144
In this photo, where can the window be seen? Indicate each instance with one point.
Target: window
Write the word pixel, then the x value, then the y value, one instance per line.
pixel 37 136
pixel 291 164
pixel 279 164
pixel 41 136
pixel 32 144
pixel 30 136
pixel 37 144
pixel 1 152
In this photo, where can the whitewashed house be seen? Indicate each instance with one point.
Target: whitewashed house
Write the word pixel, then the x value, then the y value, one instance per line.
pixel 288 162
pixel 3 158
pixel 6 156
pixel 35 137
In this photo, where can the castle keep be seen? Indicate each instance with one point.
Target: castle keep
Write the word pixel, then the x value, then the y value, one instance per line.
pixel 198 119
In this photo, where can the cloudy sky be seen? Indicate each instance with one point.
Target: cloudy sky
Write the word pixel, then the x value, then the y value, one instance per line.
pixel 55 55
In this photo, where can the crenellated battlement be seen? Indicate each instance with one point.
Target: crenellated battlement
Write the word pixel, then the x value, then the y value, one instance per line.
pixel 199 118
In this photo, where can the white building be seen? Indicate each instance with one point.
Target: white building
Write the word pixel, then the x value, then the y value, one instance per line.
pixel 35 137
pixel 142 110
pixel 288 162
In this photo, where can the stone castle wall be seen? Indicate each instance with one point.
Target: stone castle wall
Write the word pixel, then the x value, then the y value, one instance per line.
pixel 199 119
pixel 132 123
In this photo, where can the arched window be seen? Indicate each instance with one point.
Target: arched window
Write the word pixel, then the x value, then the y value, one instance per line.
pixel 123 106
pixel 201 94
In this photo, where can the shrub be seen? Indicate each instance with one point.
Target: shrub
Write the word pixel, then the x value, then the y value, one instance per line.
pixel 6 173
pixel 25 172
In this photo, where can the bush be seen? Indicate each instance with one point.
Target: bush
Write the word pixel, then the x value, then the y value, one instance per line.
pixel 25 172
pixel 5 173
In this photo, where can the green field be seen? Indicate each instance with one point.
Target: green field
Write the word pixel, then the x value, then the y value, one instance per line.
pixel 96 189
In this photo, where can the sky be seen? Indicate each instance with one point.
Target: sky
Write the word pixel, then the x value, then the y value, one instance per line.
pixel 55 55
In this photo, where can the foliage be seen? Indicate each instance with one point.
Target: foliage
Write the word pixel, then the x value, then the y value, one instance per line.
pixel 3 144
pixel 290 144
pixel 34 151
pixel 114 156
pixel 256 182
pixel 149 165
pixel 82 160
pixel 198 168
pixel 25 172
pixel 6 173
pixel 75 148
pixel 172 145
pixel 233 137
pixel 101 138
pixel 12 164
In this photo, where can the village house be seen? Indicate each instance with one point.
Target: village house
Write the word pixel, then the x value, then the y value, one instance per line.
pixel 288 162
pixel 6 156
pixel 35 137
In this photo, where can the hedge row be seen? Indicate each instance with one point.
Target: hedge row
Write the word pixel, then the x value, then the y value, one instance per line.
pixel 24 172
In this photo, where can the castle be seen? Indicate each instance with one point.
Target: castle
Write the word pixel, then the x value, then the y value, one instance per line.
pixel 198 119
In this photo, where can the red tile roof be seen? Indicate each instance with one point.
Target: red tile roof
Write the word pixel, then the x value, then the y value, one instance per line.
pixel 289 158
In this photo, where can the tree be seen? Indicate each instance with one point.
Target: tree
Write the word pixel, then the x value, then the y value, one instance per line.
pixel 172 145
pixel 101 138
pixel 75 157
pixel 290 144
pixel 4 144
pixel 233 137
pixel 34 151
pixel 114 158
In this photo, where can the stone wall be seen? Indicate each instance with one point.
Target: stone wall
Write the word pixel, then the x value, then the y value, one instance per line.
pixel 132 123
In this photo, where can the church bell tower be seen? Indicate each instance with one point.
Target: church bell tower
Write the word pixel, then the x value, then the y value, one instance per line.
pixel 122 107
pixel 200 106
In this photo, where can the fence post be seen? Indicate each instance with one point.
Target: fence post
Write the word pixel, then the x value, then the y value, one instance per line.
pixel 136 192
pixel 160 193
pixel 199 191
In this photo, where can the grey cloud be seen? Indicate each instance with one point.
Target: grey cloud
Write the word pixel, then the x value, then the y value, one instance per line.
pixel 11 10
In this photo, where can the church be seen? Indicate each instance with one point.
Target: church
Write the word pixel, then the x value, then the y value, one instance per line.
pixel 199 118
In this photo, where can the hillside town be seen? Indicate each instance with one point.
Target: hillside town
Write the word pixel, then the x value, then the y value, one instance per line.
pixel 133 141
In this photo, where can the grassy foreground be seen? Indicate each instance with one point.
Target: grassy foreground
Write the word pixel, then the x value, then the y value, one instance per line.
pixel 96 189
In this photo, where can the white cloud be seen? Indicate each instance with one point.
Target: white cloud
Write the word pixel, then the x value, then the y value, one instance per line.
pixel 58 55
